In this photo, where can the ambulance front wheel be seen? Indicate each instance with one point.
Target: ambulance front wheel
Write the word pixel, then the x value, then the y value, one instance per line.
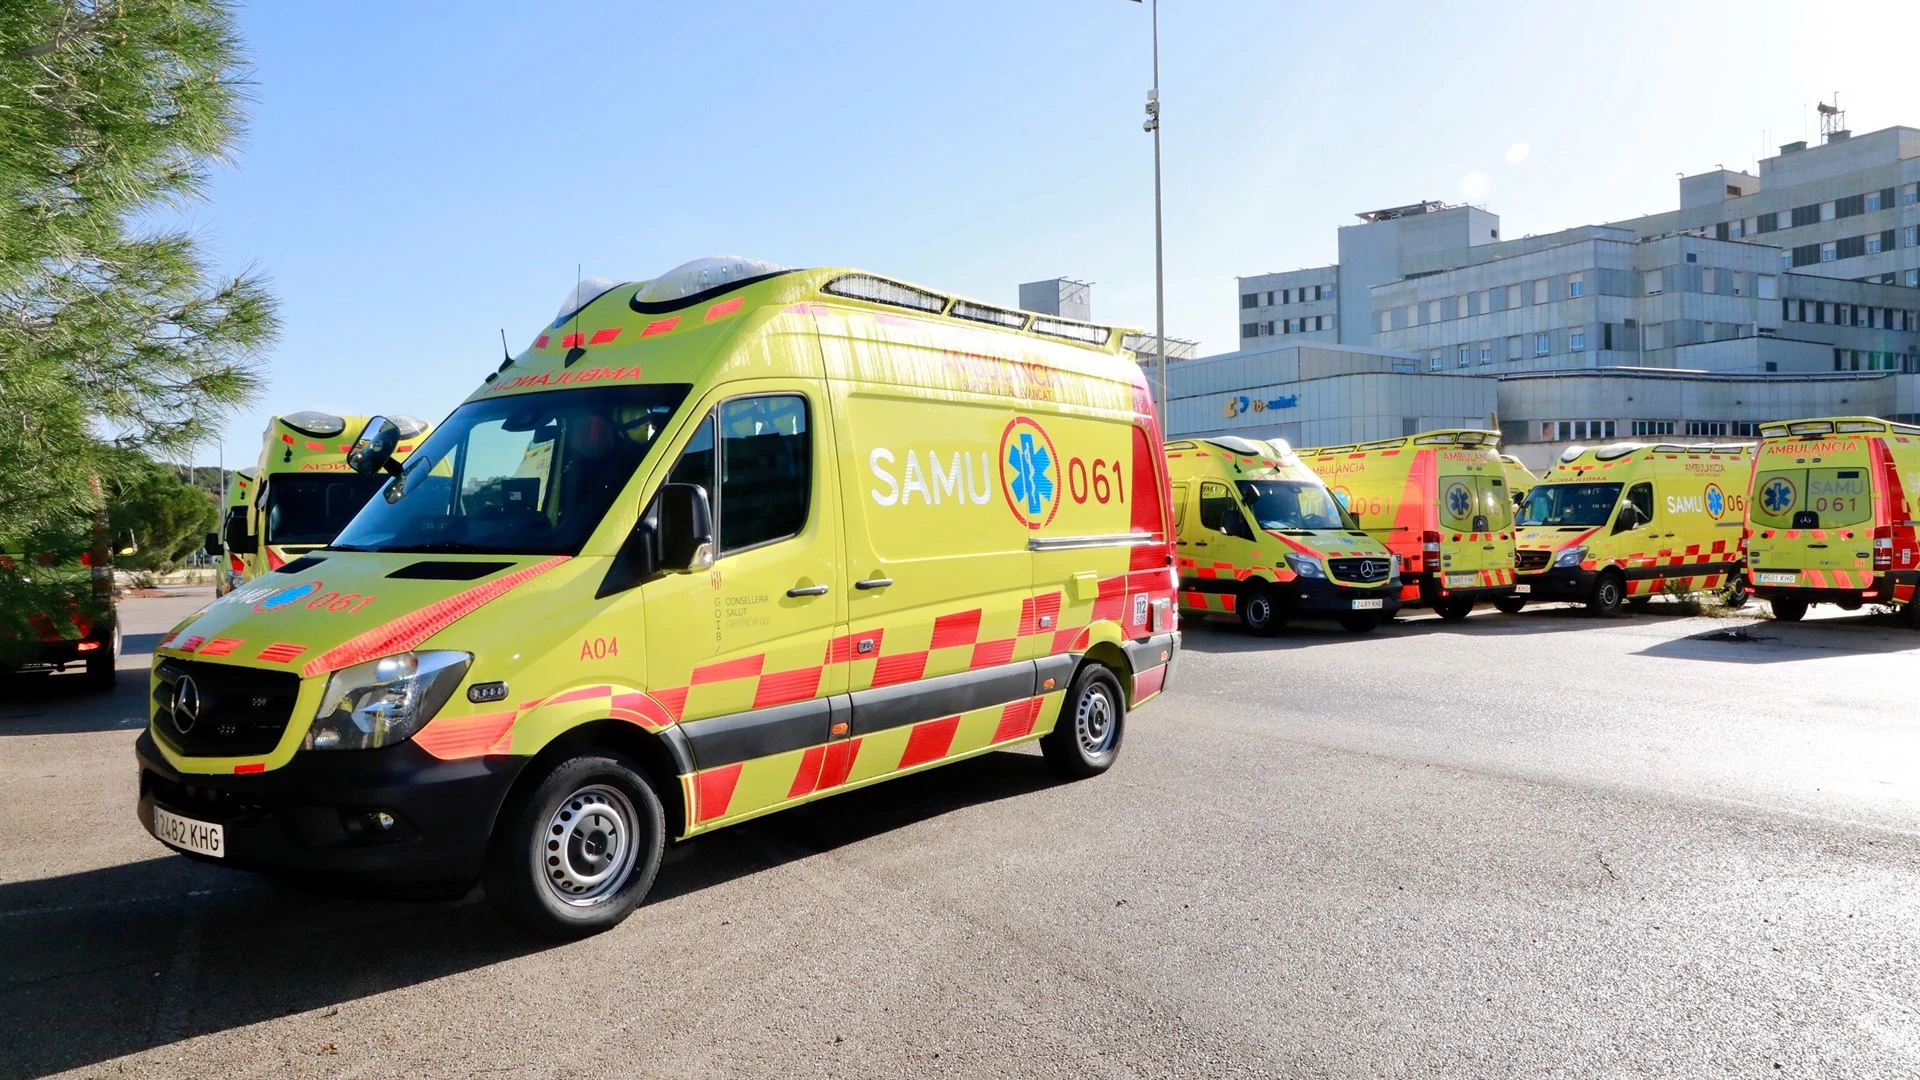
pixel 577 852
pixel 1259 610
pixel 1609 592
pixel 1789 609
pixel 1453 608
pixel 1086 737
pixel 1511 604
pixel 1360 622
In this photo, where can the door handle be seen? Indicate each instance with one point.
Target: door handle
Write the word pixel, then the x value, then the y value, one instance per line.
pixel 810 590
pixel 873 583
pixel 1199 543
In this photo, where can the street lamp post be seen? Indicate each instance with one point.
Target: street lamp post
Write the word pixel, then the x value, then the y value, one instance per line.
pixel 1152 126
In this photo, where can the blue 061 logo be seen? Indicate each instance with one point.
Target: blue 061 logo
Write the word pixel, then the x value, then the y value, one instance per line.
pixel 288 596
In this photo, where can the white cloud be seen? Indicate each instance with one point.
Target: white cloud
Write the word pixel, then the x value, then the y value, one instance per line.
pixel 1518 152
pixel 1473 186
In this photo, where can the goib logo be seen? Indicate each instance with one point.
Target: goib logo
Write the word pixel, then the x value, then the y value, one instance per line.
pixel 1716 502
pixel 288 596
pixel 1778 496
pixel 1029 472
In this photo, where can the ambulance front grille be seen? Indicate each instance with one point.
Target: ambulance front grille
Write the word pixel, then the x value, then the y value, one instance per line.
pixel 1527 562
pixel 1366 570
pixel 231 711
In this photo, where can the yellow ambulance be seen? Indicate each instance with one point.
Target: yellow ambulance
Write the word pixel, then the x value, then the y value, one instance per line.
pixel 1830 519
pixel 302 492
pixel 1261 537
pixel 1520 479
pixel 716 544
pixel 1437 500
pixel 232 572
pixel 1626 522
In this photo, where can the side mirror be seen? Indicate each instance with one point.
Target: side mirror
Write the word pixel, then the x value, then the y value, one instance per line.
pixel 212 544
pixel 373 450
pixel 234 532
pixel 686 528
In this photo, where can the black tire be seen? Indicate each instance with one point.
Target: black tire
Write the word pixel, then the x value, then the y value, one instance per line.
pixel 1510 604
pixel 101 670
pixel 577 851
pixel 1453 608
pixel 1259 609
pixel 1789 609
pixel 1086 738
pixel 1733 595
pixel 1609 592
pixel 1360 622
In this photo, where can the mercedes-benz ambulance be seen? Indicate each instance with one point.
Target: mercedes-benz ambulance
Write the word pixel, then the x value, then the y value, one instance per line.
pixel 233 565
pixel 1520 479
pixel 714 545
pixel 1626 522
pixel 1830 519
pixel 1439 501
pixel 1261 537
pixel 302 492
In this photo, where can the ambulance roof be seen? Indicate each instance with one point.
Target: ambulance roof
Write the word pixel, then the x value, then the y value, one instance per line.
pixel 1474 437
pixel 1835 425
pixel 1616 451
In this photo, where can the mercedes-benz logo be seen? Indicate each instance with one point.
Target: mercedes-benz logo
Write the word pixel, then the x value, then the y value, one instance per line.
pixel 1369 569
pixel 186 704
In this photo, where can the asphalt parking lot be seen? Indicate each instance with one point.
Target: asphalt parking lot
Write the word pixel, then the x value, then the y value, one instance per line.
pixel 1533 845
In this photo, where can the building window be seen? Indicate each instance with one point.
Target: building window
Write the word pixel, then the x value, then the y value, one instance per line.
pixel 1433 311
pixel 1542 344
pixel 1872 201
pixel 1706 330
pixel 1769 287
pixel 1913 278
pixel 1826 211
pixel 1706 427
pixel 1435 363
pixel 1249 329
pixel 1655 335
pixel 1249 300
pixel 1513 297
pixel 1768 223
pixel 1736 229
pixel 1460 306
pixel 1466 357
pixel 1653 427
pixel 1486 354
pixel 1573 430
pixel 1540 291
pixel 1386 320
pixel 1873 243
pixel 1576 285
pixel 1513 349
pixel 1327 293
pixel 1706 280
pixel 1486 301
pixel 1655 282
pixel 1910 236
pixel 1577 340
pixel 1829 252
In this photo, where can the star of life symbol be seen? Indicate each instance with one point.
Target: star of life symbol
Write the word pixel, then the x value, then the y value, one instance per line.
pixel 1031 484
pixel 1777 496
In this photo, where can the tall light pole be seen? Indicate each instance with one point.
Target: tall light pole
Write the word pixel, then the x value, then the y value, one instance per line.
pixel 1159 255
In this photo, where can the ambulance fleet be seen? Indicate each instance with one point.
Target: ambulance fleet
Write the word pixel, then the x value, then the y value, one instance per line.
pixel 741 537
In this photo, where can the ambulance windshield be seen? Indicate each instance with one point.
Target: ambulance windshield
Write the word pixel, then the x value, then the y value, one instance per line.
pixel 312 509
pixel 1293 506
pixel 1569 504
pixel 525 475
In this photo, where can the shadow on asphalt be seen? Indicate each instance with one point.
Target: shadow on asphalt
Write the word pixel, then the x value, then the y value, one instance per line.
pixel 1769 642
pixel 1223 635
pixel 114 961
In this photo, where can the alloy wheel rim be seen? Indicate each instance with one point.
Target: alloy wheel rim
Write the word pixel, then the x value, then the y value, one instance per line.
pixel 587 851
pixel 1093 722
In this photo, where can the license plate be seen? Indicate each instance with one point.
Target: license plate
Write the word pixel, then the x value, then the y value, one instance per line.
pixel 1523 588
pixel 1369 605
pixel 1462 581
pixel 200 837
pixel 1763 578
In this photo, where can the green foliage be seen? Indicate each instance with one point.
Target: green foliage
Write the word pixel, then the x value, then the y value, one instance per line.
pixel 167 517
pixel 111 337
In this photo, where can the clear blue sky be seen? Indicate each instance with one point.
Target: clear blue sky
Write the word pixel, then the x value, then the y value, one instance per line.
pixel 418 176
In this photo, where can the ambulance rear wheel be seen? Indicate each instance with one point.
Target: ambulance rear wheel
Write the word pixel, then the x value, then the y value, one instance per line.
pixel 1453 608
pixel 1510 604
pixel 1733 595
pixel 1086 738
pixel 1788 609
pixel 577 852
pixel 1259 610
pixel 1360 622
pixel 1609 592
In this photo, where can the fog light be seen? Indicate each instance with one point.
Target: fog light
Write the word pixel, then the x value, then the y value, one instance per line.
pixel 86 646
pixel 382 820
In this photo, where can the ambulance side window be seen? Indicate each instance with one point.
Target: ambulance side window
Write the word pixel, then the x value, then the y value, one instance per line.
pixel 696 461
pixel 1216 502
pixel 1640 497
pixel 766 470
pixel 1179 506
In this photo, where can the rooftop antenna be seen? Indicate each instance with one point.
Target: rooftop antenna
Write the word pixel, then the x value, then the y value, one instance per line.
pixel 1833 121
pixel 576 351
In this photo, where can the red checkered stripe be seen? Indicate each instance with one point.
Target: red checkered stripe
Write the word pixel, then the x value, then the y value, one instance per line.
pixel 1696 583
pixel 1837 579
pixel 450 737
pixel 729 792
pixel 1194 600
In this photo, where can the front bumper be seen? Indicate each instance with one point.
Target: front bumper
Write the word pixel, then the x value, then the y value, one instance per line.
pixel 1319 596
pixel 1567 583
pixel 312 817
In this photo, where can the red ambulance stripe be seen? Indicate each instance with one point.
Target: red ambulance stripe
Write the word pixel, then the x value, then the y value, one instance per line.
pixel 674 701
pixel 1016 719
pixel 1063 639
pixel 929 741
pixel 221 646
pixel 582 694
pixel 809 774
pixel 1048 606
pixel 1193 599
pixel 570 341
pixel 782 687
pixel 315 446
pixel 453 737
pixel 190 644
pixel 746 667
pixel 253 767
pixel 409 630
pixel 838 763
pixel 960 628
pixel 280 652
pixel 602 337
pixel 641 709
pixel 1148 683
pixel 723 309
pixel 660 326
pixel 713 791
pixel 540 342
pixel 1029 621
pixel 899 668
pixel 990 653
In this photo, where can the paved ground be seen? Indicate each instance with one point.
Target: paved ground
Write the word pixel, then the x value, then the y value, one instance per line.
pixel 1519 846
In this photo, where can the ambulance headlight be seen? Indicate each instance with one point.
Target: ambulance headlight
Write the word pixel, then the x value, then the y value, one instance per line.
pixel 385 701
pixel 1306 566
pixel 1569 557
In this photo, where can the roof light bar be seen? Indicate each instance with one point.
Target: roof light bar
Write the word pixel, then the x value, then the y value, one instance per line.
pixel 320 425
pixel 1853 426
pixel 410 426
pixel 1072 331
pixel 1012 320
pixel 881 291
pixel 1811 427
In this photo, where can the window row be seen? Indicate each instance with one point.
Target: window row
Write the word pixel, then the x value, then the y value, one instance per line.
pixel 1305 294
pixel 1305 325
pixel 1868 360
pixel 1876 318
pixel 1814 213
pixel 1851 247
pixel 1717 280
pixel 1466 305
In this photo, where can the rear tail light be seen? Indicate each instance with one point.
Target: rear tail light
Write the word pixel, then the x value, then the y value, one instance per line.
pixel 1883 547
pixel 1430 542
